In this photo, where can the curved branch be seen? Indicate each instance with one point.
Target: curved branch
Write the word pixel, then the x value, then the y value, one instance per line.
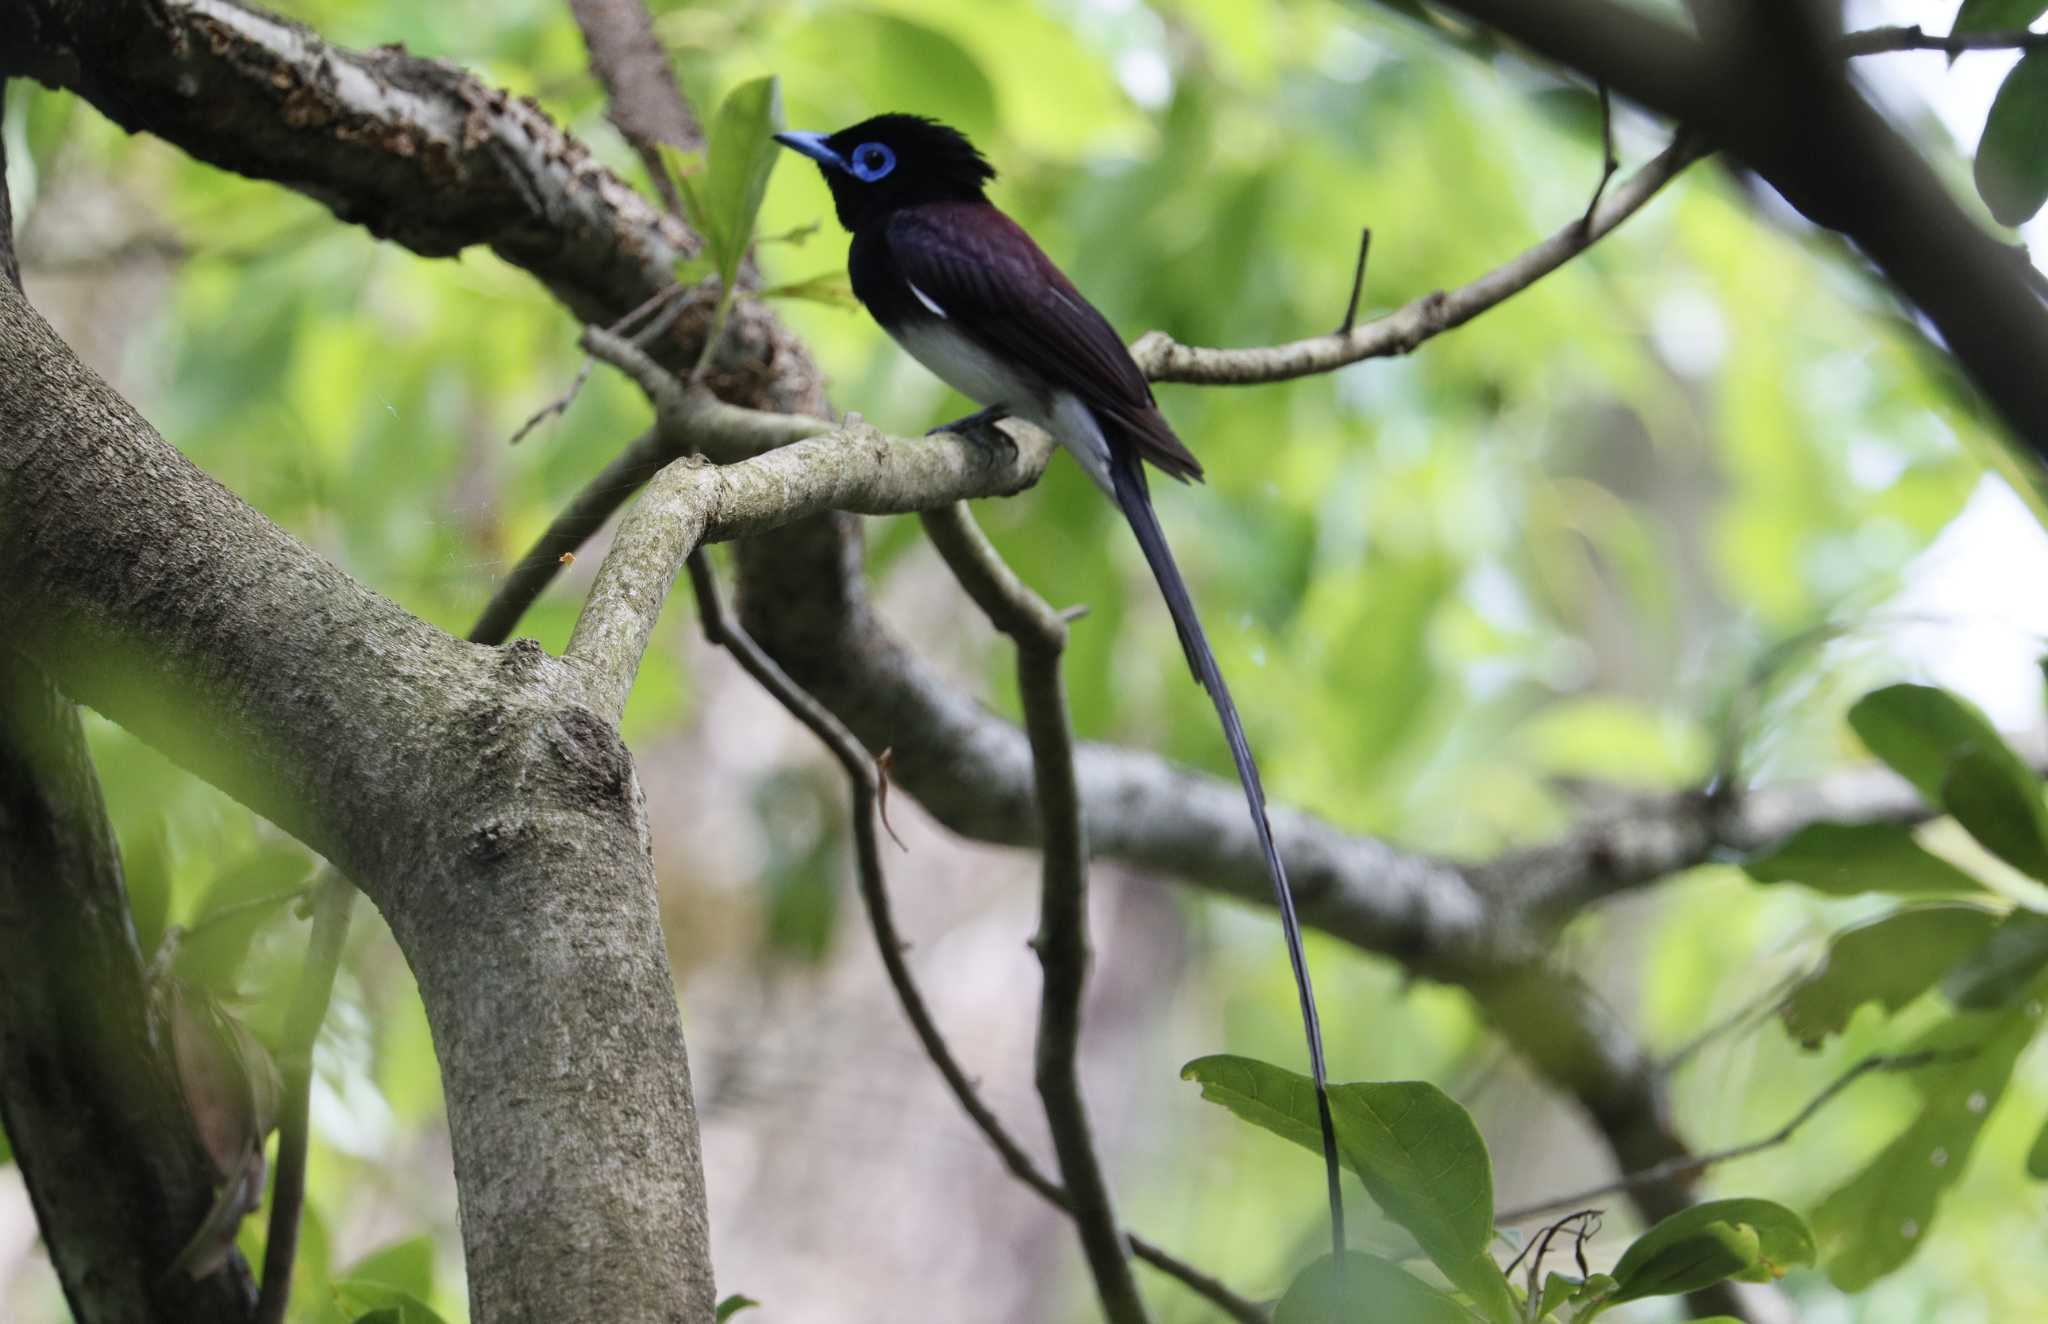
pixel 854 468
pixel 1688 1167
pixel 1062 939
pixel 1400 332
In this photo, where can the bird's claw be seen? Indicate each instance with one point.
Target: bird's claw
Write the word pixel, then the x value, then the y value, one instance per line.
pixel 980 423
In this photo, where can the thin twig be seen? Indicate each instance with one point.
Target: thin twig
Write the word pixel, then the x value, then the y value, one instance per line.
pixel 333 898
pixel 1541 1244
pixel 1756 1009
pixel 233 909
pixel 1691 1165
pixel 1609 162
pixel 721 629
pixel 1357 283
pixel 667 294
pixel 1912 37
pixel 1062 940
pixel 883 762
pixel 1400 332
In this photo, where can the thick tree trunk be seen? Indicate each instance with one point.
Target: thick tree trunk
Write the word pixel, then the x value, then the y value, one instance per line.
pixel 470 793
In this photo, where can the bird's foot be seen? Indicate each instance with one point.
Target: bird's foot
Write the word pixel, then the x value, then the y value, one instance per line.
pixel 979 424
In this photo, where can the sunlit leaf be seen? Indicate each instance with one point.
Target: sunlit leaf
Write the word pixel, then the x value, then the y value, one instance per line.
pixel 830 288
pixel 404 1266
pixel 1844 859
pixel 253 891
pixel 743 152
pixel 1362 1285
pixel 1890 960
pixel 386 1304
pixel 733 1305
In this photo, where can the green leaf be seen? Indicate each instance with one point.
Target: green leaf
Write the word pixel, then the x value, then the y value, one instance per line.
pixel 2012 156
pixel 733 1305
pixel 1997 15
pixel 2037 1155
pixel 1557 1289
pixel 1874 1222
pixel 1890 960
pixel 830 288
pixel 404 1266
pixel 1921 731
pixel 374 1301
pixel 217 941
pixel 1752 1239
pixel 2004 967
pixel 743 152
pixel 1362 1286
pixel 6 1150
pixel 1843 859
pixel 1413 1146
pixel 1705 1255
pixel 1997 799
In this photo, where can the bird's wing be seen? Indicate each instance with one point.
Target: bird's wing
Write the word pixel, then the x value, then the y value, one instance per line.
pixel 974 266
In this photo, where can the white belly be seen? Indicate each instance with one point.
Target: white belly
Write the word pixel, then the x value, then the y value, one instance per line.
pixel 986 380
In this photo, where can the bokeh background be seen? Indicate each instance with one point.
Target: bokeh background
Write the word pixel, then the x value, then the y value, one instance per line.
pixel 1689 496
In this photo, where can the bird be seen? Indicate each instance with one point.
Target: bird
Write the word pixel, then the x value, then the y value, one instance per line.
pixel 968 294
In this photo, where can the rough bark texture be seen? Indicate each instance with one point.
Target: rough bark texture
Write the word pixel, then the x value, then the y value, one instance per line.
pixel 469 791
pixel 94 1117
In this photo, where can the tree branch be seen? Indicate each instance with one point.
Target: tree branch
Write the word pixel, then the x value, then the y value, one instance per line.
pixel 646 104
pixel 1062 941
pixel 853 468
pixel 1770 86
pixel 1402 331
pixel 603 250
pixel 1691 1166
pixel 722 630
pixel 1912 37
pixel 521 889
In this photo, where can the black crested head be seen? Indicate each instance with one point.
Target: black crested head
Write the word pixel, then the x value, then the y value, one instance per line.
pixel 893 161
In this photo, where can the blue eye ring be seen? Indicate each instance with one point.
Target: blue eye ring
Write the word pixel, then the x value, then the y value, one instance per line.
pixel 871 161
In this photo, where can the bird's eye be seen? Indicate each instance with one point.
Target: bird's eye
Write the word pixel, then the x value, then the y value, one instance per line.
pixel 872 160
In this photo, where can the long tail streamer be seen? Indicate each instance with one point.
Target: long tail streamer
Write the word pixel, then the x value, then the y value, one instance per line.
pixel 1132 494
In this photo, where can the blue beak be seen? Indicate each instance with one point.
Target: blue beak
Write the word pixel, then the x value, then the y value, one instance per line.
pixel 813 146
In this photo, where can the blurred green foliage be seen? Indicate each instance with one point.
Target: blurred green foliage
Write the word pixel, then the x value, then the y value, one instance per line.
pixel 1638 525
